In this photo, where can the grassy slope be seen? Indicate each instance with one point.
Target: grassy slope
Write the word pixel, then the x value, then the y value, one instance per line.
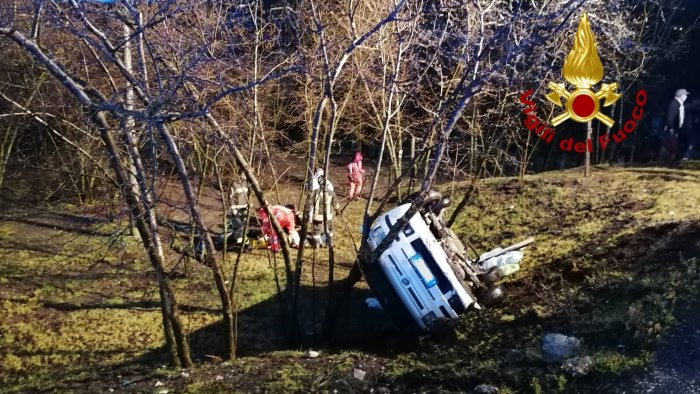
pixel 614 256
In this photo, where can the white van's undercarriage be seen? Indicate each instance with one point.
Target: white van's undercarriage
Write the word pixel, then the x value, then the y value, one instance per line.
pixel 425 275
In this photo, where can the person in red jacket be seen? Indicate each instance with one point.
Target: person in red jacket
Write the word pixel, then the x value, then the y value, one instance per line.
pixel 355 177
pixel 285 217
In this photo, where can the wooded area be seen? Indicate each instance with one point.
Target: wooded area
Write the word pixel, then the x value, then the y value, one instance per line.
pixel 110 100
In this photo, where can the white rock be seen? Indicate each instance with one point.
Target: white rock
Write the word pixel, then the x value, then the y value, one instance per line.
pixel 579 366
pixel 163 392
pixel 485 389
pixel 219 377
pixel 359 374
pixel 158 383
pixel 311 354
pixel 185 374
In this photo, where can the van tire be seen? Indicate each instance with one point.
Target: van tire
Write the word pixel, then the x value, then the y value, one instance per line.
pixel 491 276
pixel 491 295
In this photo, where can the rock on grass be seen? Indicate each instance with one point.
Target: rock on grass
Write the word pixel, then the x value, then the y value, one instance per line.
pixel 557 347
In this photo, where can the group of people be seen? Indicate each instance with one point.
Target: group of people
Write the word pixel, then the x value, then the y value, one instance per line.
pixel 324 204
pixel 682 128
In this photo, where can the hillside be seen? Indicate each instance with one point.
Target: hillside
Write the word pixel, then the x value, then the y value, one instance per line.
pixel 615 264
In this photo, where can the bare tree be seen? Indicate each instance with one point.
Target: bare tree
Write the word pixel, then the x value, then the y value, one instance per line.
pixel 181 75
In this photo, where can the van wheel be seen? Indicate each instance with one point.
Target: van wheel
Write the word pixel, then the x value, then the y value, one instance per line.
pixel 490 296
pixel 491 276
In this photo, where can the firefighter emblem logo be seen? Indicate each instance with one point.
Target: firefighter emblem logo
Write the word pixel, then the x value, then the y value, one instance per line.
pixel 583 69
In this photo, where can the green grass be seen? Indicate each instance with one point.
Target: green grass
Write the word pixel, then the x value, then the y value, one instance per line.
pixel 605 267
pixel 616 363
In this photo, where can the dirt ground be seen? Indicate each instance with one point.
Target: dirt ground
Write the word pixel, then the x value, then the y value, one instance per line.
pixel 615 264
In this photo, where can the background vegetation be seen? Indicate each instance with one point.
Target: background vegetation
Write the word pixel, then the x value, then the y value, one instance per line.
pixel 121 118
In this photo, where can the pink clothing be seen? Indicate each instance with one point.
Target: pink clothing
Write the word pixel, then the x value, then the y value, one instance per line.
pixel 355 176
pixel 355 172
pixel 285 217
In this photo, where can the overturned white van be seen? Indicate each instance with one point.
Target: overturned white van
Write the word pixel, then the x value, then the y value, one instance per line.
pixel 425 275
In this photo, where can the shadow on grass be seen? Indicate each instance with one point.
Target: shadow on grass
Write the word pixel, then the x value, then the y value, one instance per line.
pixel 32 247
pixel 648 261
pixel 489 349
pixel 260 332
pixel 668 177
pixel 672 169
pixel 609 298
pixel 601 285
pixel 261 328
pixel 142 305
pixel 79 230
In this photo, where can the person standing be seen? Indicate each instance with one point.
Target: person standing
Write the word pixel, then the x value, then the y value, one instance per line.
pixel 324 201
pixel 355 177
pixel 238 196
pixel 676 141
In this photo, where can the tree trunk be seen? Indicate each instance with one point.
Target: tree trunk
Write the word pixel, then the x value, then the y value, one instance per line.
pixel 209 259
pixel 313 144
pixel 129 123
pixel 608 129
pixel 589 134
pixel 176 341
pixel 412 181
pixel 146 224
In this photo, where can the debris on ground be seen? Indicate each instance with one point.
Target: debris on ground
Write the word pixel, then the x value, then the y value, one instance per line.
pixel 485 389
pixel 359 374
pixel 214 359
pixel 158 384
pixel 579 366
pixel 373 303
pixel 557 347
pixel 506 264
pixel 311 354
